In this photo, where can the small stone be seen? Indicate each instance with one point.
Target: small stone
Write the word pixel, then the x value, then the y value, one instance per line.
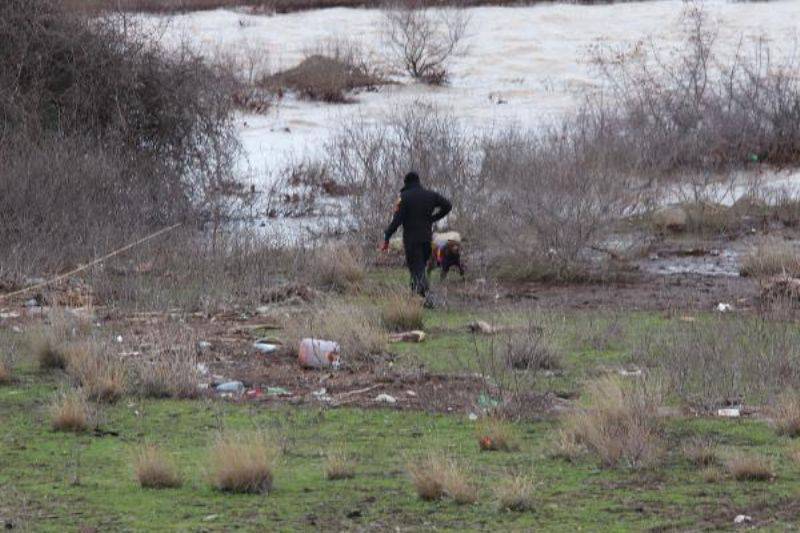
pixel 742 519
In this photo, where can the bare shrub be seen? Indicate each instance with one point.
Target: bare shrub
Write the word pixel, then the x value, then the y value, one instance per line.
pixel 702 453
pixel 105 137
pixel 495 434
pixel 711 474
pixel 794 455
pixel 689 109
pixel 402 311
pixel 370 160
pixel 170 368
pixel 357 329
pixel 243 463
pixel 70 412
pixel 339 465
pixel 436 476
pixel 724 358
pixel 46 343
pixel 771 258
pixel 620 425
pixel 336 266
pixel 786 413
pixel 155 470
pixel 749 467
pixel 516 493
pixel 422 40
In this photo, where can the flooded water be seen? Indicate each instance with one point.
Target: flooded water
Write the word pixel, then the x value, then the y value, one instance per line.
pixel 525 65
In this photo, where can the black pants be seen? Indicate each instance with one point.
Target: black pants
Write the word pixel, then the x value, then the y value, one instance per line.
pixel 417 256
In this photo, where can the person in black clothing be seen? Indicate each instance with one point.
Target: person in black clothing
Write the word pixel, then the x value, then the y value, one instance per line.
pixel 417 210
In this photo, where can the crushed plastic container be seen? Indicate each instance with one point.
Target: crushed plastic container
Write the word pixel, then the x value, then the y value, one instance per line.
pixel 230 386
pixel 317 353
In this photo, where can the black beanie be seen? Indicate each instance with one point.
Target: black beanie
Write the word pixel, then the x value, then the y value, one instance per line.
pixel 411 177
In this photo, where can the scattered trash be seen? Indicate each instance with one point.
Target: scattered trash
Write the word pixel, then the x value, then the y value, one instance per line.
pixel 385 398
pixel 230 386
pixel 484 328
pixel 472 416
pixel 10 314
pixel 203 345
pixel 408 336
pixel 635 373
pixel 724 308
pixel 119 339
pixel 263 310
pixel 742 519
pixel 210 517
pixel 321 395
pixel 411 393
pixel 202 369
pixel 278 391
pixel 265 347
pixel 33 302
pixel 254 393
pixel 731 412
pixel 16 329
pixel 316 353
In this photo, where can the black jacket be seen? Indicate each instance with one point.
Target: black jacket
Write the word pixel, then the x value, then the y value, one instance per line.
pixel 416 211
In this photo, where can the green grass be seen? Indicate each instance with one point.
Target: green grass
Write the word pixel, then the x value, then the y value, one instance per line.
pixel 53 481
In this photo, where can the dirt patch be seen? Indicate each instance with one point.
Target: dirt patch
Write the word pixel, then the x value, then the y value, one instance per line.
pixel 322 78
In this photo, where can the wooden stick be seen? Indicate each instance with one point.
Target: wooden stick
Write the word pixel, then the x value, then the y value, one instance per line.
pixel 91 264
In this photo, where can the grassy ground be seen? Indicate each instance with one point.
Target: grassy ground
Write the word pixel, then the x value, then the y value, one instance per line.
pixel 56 481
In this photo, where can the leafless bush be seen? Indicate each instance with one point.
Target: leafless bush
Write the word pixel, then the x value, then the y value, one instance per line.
pixel 721 359
pixel 370 161
pixel 620 425
pixel 532 349
pixel 693 110
pixel 104 137
pixel 422 40
pixel 47 343
pixel 97 370
pixel 155 470
pixel 702 453
pixel 6 371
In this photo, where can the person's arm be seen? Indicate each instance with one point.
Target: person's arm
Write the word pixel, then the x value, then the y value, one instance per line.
pixel 397 221
pixel 442 208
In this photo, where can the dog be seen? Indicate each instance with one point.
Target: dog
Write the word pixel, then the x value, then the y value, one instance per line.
pixel 446 254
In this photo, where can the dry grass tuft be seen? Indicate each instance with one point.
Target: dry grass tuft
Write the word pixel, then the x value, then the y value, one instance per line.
pixel 357 329
pixel 620 426
pixel 435 476
pixel 701 453
pixel 337 267
pixel 744 467
pixel 402 311
pixel 46 348
pixel 515 494
pixel 155 470
pixel 171 369
pixel 771 257
pixel 711 474
pixel 566 445
pixel 70 412
pixel 794 455
pixel 5 372
pixel 339 465
pixel 102 376
pixel 787 414
pixel 243 463
pixel 496 435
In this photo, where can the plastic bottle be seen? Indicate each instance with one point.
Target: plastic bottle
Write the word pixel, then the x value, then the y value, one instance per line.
pixel 317 353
